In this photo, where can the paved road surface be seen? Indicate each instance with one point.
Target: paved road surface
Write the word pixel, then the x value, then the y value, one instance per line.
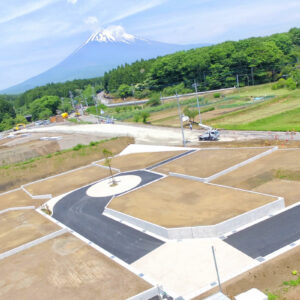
pixel 84 215
pixel 156 135
pixel 268 236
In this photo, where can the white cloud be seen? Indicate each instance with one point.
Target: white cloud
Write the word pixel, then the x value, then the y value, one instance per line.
pixel 137 9
pixel 91 20
pixel 72 1
pixel 22 10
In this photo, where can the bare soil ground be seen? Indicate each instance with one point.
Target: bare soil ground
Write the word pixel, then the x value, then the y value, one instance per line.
pixel 23 147
pixel 66 268
pixel 18 198
pixel 22 226
pixel 140 160
pixel 170 117
pixel 205 163
pixel 177 202
pixel 251 143
pixel 68 182
pixel 18 174
pixel 261 175
pixel 267 277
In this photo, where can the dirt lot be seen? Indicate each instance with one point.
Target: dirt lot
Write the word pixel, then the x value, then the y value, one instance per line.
pixel 66 268
pixel 68 182
pixel 268 277
pixel 140 160
pixel 177 202
pixel 22 226
pixel 170 117
pixel 22 173
pixel 262 175
pixel 205 163
pixel 18 198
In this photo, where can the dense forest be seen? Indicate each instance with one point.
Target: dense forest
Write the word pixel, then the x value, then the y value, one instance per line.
pixel 246 62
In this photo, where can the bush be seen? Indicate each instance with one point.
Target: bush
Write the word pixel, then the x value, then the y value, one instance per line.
pixel 154 101
pixel 93 144
pixel 78 147
pixel 281 83
pixel 145 115
pixel 217 95
pixel 291 84
pixel 136 117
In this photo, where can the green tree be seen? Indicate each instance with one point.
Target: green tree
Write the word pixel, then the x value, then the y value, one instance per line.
pixel 124 91
pixel 49 104
pixel 191 113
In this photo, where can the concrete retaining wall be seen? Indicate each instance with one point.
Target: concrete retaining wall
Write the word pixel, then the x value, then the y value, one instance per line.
pixel 201 231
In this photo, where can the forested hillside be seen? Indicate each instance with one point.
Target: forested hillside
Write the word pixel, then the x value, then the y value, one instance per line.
pixel 253 60
pixel 245 62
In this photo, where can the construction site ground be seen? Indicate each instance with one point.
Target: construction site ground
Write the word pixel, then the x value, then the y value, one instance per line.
pixel 66 268
pixel 18 198
pixel 267 277
pixel 276 174
pixel 64 183
pixel 205 163
pixel 22 226
pixel 15 175
pixel 140 160
pixel 177 202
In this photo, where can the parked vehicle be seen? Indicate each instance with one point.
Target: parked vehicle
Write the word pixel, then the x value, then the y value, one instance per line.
pixel 211 135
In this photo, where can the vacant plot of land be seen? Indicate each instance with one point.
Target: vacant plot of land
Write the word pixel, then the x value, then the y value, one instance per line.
pixel 268 277
pixel 288 101
pixel 177 202
pixel 275 174
pixel 22 226
pixel 140 160
pixel 14 175
pixel 205 163
pixel 16 199
pixel 67 182
pixel 66 268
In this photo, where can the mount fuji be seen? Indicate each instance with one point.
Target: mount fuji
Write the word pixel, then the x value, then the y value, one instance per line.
pixel 103 51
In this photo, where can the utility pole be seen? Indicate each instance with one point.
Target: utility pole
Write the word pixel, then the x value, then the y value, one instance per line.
pixel 72 100
pixel 237 81
pixel 132 90
pixel 252 76
pixel 216 266
pixel 180 117
pixel 196 91
pixel 96 104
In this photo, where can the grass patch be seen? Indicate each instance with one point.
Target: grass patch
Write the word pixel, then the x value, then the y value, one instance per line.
pixel 285 121
pixel 287 175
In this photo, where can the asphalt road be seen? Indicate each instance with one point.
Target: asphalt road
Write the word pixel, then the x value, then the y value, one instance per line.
pixel 268 236
pixel 83 214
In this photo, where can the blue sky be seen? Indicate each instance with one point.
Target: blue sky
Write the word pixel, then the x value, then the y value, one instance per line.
pixel 37 34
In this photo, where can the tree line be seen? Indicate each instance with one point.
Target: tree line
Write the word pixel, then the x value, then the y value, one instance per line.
pixel 250 61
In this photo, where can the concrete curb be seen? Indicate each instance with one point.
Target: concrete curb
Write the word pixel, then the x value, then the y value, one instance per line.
pixel 16 208
pixel 33 243
pixel 207 231
pixel 245 162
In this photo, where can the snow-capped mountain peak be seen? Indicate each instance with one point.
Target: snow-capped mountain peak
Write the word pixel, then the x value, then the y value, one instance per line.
pixel 112 34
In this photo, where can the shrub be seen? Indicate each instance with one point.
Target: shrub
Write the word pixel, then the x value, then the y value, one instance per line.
pixel 291 84
pixel 136 117
pixel 217 95
pixel 145 115
pixel 154 101
pixel 77 147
